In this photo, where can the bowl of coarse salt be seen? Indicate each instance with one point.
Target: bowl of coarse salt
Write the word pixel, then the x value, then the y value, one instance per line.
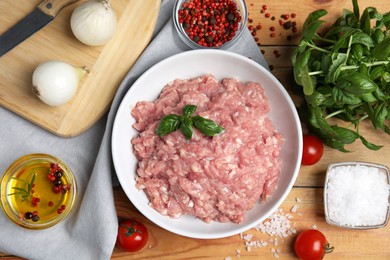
pixel 356 195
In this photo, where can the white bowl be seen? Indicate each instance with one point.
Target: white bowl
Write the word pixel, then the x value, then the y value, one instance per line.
pixel 221 64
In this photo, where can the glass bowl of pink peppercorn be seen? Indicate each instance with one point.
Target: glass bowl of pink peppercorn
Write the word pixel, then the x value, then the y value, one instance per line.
pixel 215 24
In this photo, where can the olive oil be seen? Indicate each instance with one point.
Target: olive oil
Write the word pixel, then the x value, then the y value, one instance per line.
pixel 37 191
pixel 42 199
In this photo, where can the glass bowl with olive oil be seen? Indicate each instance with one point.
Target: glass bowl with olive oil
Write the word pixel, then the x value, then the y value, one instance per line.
pixel 37 191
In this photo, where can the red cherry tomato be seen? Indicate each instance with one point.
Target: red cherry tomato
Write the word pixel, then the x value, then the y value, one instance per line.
pixel 132 235
pixel 312 150
pixel 311 244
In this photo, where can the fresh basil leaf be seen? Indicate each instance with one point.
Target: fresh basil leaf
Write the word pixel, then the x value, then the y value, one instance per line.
pixel 338 60
pixel 378 93
pixel 323 124
pixel 382 50
pixel 312 23
pixel 301 61
pixel 315 99
pixel 342 42
pixel 188 110
pixel 369 145
pixel 365 20
pixel 186 127
pixel 380 114
pixel 345 135
pixel 207 126
pixel 168 124
pixel 343 97
pixel 377 72
pixel 362 38
pixel 357 51
pixel 359 83
pixel 378 36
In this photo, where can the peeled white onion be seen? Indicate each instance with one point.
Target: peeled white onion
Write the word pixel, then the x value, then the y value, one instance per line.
pixel 93 22
pixel 55 82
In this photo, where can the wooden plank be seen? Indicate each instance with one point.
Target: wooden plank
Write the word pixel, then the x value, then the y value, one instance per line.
pixel 353 244
pixel 108 64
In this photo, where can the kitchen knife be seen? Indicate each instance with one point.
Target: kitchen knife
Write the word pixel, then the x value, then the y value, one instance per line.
pixel 42 15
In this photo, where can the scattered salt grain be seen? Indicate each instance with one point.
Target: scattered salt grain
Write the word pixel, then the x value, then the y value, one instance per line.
pixel 298 200
pixel 314 226
pixel 228 258
pixel 278 225
pixel 294 208
pixel 357 195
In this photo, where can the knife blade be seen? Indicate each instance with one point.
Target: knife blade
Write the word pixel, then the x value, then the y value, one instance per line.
pixel 43 14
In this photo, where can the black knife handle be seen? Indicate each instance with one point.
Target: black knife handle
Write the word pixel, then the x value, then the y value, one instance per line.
pixel 52 7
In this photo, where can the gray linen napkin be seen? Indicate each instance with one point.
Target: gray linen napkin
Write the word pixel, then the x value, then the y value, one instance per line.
pixel 90 230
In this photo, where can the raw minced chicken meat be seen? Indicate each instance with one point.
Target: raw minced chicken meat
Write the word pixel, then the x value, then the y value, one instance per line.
pixel 212 178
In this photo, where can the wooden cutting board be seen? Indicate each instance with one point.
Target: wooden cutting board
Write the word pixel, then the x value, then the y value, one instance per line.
pixel 108 64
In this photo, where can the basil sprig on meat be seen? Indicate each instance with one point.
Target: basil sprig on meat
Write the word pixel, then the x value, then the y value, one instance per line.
pixel 345 74
pixel 186 122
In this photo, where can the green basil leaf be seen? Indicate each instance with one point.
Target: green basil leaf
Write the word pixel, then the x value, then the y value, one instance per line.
pixel 378 36
pixel 380 114
pixel 323 124
pixel 338 60
pixel 365 20
pixel 186 127
pixel 362 38
pixel 207 126
pixel 301 61
pixel 315 99
pixel 377 72
pixel 344 97
pixel 369 145
pixel 357 51
pixel 378 93
pixel 188 110
pixel 168 124
pixel 382 50
pixel 359 83
pixel 345 135
pixel 312 23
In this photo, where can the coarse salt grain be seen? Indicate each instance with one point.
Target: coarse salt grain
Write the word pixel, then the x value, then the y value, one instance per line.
pixel 357 195
pixel 278 225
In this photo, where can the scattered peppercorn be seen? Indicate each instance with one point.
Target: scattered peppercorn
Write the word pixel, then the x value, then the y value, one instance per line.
pixel 287 25
pixel 265 7
pixel 50 204
pixel 272 35
pixel 272 28
pixel 293 15
pixel 271 67
pixel 273 18
pixel 262 51
pixel 267 15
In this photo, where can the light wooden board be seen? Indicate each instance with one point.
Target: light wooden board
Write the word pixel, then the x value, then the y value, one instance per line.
pixel 108 64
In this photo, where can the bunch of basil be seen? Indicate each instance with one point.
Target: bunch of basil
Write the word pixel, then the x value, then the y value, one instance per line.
pixel 345 74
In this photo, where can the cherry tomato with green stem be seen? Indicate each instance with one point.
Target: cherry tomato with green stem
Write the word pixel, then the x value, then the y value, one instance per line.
pixel 132 235
pixel 312 151
pixel 311 244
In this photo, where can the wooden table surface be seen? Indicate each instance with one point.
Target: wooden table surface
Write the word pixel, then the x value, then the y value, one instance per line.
pixel 308 190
